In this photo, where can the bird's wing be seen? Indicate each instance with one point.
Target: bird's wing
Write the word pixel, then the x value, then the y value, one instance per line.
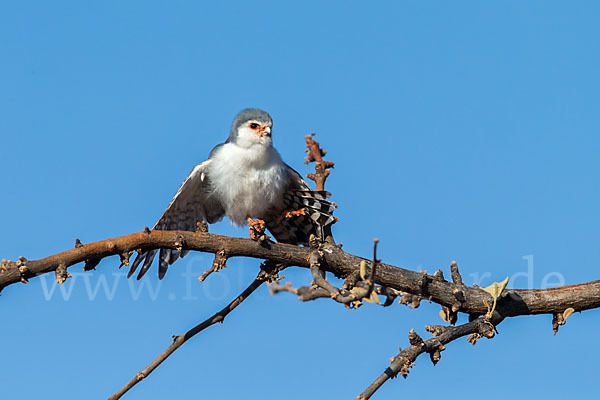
pixel 192 203
pixel 296 228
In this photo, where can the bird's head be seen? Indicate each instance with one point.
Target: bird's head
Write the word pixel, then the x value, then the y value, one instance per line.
pixel 251 126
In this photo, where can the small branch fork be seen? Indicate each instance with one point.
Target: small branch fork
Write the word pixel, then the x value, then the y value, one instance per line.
pixel 478 326
pixel 443 335
pixel 267 273
pixel 322 167
pixel 218 264
pixel 351 295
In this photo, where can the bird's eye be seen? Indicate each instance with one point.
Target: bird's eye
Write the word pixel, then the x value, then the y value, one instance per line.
pixel 254 125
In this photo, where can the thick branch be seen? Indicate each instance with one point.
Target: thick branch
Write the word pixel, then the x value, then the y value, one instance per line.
pixel 473 300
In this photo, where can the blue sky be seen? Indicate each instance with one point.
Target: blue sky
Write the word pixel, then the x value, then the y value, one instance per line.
pixel 464 131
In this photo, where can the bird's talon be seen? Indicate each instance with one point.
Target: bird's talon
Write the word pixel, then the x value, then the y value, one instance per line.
pixel 296 213
pixel 257 229
pixel 290 214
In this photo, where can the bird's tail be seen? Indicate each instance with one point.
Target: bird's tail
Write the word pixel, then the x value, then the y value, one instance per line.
pixel 307 212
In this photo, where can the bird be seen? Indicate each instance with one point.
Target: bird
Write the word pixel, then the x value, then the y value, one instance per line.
pixel 246 180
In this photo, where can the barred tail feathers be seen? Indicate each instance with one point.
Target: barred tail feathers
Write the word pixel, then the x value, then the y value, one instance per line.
pixel 297 228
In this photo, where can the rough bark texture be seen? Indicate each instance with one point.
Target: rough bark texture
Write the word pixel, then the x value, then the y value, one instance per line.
pixel 473 301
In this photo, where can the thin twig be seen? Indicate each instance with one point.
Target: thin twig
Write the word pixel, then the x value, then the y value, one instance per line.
pixel 181 339
pixel 350 298
pixel 315 153
pixel 218 264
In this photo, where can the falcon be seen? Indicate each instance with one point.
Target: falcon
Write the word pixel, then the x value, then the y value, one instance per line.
pixel 244 179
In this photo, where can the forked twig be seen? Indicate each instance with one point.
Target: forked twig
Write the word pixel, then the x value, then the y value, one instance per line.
pixel 361 289
pixel 401 363
pixel 315 153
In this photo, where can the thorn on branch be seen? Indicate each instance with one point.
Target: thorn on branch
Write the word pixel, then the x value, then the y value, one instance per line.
pixel 559 319
pixel 456 278
pixel 436 330
pixel 201 227
pixel 414 338
pixel 23 271
pixel 270 271
pixel 455 307
pixel 390 295
pixel 179 243
pixel 448 315
pixel 435 348
pixel 125 258
pixel 487 329
pixel 147 230
pixel 411 300
pixel 91 264
pixel 61 274
pixel 473 338
pixel 4 265
pixel 438 276
pixel 404 370
pixel 218 264
pixel 78 243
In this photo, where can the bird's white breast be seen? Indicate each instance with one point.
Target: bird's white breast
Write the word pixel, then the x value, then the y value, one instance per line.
pixel 248 181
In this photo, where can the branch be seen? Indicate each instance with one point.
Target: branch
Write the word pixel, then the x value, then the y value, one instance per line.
pixel 474 301
pixel 265 274
pixel 401 363
pixel 218 264
pixel 350 298
pixel 316 153
pixel 453 296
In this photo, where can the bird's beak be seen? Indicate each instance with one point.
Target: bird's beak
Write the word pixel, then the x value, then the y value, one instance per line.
pixel 266 131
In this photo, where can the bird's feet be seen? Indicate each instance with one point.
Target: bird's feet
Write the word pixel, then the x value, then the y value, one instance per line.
pixel 290 214
pixel 257 230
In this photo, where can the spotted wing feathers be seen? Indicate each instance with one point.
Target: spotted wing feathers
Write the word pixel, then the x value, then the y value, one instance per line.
pixel 192 203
